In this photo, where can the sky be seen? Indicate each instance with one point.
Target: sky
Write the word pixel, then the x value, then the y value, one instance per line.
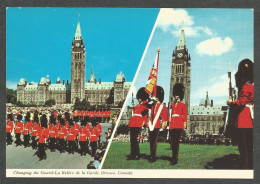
pixel 214 37
pixel 38 41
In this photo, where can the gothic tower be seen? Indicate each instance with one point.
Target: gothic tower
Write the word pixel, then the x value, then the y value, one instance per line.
pixel 180 71
pixel 77 67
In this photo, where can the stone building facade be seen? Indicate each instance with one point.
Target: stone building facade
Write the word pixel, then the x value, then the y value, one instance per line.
pixel 206 118
pixel 95 92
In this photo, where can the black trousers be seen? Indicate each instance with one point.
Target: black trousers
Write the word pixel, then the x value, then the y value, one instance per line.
pixel 52 143
pixel 9 139
pixel 34 142
pixel 61 145
pixel 18 139
pixel 26 139
pixel 175 135
pixel 41 150
pixel 83 147
pixel 153 141
pixel 245 146
pixel 93 147
pixel 134 132
pixel 71 146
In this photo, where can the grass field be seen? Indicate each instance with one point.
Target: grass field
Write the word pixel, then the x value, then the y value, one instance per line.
pixel 190 157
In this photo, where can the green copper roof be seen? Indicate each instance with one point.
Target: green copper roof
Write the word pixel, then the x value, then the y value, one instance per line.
pixel 78 35
pixel 182 41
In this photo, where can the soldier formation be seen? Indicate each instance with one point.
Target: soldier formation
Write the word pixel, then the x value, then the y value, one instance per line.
pixel 62 130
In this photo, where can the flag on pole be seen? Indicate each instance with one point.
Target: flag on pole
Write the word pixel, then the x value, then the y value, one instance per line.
pixel 152 79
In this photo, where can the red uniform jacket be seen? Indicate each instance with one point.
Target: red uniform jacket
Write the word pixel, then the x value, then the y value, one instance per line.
pixel 77 127
pixel 72 134
pixel 53 131
pixel 88 126
pixel 179 116
pixel 43 134
pixel 163 115
pixel 9 126
pixel 63 132
pixel 245 98
pixel 93 134
pixel 27 128
pixel 18 127
pixel 138 119
pixel 84 134
pixel 35 129
pixel 99 129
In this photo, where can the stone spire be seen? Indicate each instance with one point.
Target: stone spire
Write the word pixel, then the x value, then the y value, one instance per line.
pixel 78 35
pixel 182 41
pixel 92 76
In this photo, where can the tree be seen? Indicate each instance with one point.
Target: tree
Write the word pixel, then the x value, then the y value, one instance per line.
pixel 50 102
pixel 11 96
pixel 77 104
pixel 19 104
pixel 85 104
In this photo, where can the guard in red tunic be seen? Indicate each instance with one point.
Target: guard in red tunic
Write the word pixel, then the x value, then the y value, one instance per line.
pixel 77 127
pixel 35 128
pixel 138 119
pixel 9 129
pixel 157 116
pixel 84 135
pixel 62 135
pixel 43 134
pixel 18 130
pixel 71 138
pixel 27 129
pixel 245 101
pixel 178 121
pixel 99 131
pixel 93 139
pixel 53 133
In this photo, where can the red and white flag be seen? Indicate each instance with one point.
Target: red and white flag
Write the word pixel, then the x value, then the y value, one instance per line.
pixel 152 79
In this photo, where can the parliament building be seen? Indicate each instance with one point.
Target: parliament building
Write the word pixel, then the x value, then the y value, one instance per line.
pixel 96 92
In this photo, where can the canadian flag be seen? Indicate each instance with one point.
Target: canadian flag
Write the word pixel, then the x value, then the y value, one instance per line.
pixel 152 79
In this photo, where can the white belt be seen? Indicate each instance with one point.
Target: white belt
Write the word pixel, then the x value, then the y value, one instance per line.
pixel 175 115
pixel 137 115
pixel 34 130
pixel 251 110
pixel 71 134
pixel 8 126
pixel 82 134
pixel 52 131
pixel 93 135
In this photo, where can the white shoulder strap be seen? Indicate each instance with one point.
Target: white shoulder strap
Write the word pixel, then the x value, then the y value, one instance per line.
pixel 151 126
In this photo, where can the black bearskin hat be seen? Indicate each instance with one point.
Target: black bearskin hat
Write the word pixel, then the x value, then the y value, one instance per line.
pixel 10 117
pixel 62 121
pixel 71 123
pixel 35 117
pixel 67 116
pixel 93 123
pixel 160 93
pixel 19 117
pixel 84 122
pixel 142 94
pixel 245 71
pixel 52 119
pixel 76 118
pixel 27 117
pixel 178 90
pixel 59 117
pixel 44 121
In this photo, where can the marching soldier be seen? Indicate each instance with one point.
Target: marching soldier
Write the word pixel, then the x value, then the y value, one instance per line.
pixel 27 129
pixel 43 133
pixel 178 121
pixel 9 129
pixel 35 129
pixel 53 133
pixel 93 139
pixel 62 135
pixel 245 101
pixel 136 122
pixel 18 130
pixel 83 138
pixel 99 131
pixel 158 114
pixel 71 138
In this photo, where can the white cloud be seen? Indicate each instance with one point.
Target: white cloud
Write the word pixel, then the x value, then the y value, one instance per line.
pixel 194 31
pixel 173 17
pixel 11 84
pixel 214 46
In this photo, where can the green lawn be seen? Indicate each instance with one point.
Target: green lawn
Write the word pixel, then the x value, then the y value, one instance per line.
pixel 190 157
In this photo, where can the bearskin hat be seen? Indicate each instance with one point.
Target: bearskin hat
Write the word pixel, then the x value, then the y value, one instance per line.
pixel 76 118
pixel 142 94
pixel 10 117
pixel 27 117
pixel 71 123
pixel 19 117
pixel 83 122
pixel 52 119
pixel 178 90
pixel 160 93
pixel 62 121
pixel 93 123
pixel 67 116
pixel 35 117
pixel 245 70
pixel 44 121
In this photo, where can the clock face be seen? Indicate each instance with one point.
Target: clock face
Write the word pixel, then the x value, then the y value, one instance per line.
pixel 77 44
pixel 180 55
